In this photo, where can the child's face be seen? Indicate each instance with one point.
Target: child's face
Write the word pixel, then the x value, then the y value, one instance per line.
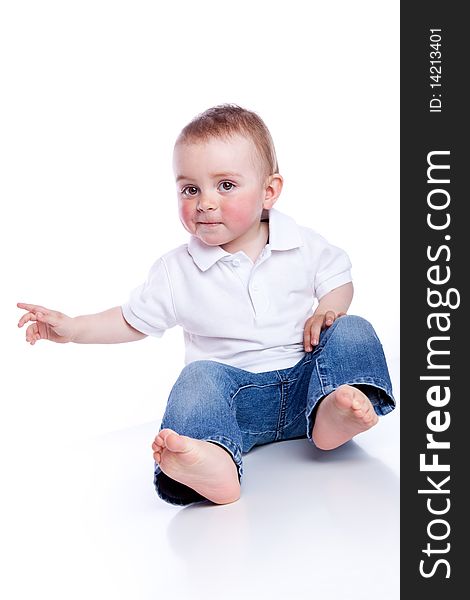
pixel 221 194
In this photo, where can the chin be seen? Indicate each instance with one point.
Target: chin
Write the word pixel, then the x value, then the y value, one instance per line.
pixel 211 242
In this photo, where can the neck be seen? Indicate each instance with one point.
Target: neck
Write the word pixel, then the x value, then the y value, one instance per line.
pixel 251 247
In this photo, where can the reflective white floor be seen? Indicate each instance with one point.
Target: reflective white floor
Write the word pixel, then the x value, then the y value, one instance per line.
pixel 86 523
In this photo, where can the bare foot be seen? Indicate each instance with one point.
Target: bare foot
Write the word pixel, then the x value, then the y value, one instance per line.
pixel 202 466
pixel 340 416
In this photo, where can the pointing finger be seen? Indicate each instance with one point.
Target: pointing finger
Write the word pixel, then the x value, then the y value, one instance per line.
pixel 32 307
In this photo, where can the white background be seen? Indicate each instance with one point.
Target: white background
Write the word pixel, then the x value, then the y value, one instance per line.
pixel 93 96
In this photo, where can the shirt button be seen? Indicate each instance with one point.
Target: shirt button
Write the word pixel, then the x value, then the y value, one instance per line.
pixel 236 262
pixel 255 287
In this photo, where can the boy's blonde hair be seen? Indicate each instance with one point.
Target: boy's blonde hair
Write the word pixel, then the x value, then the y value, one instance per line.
pixel 225 120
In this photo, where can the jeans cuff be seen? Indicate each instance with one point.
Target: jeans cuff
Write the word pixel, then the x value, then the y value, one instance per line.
pixel 234 451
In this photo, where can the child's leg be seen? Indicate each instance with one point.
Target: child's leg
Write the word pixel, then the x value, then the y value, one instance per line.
pixel 350 385
pixel 198 449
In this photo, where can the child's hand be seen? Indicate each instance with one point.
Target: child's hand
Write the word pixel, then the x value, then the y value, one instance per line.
pixel 317 323
pixel 47 324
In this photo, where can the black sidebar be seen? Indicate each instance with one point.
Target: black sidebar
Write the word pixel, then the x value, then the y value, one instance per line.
pixel 435 349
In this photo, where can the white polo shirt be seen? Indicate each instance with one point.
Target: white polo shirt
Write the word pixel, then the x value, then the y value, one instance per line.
pixel 250 316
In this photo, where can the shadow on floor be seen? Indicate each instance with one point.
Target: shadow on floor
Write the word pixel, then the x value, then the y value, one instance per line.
pixel 307 519
pixel 310 522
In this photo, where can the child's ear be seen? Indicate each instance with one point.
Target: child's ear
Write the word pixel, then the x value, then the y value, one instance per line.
pixel 272 190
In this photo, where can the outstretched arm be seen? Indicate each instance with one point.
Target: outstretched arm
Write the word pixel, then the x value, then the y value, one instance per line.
pixel 108 327
pixel 331 306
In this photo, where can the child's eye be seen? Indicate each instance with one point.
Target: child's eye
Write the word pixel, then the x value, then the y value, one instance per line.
pixel 189 190
pixel 227 186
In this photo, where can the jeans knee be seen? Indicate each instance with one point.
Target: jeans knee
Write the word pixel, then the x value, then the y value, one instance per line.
pixel 204 374
pixel 201 386
pixel 355 329
pixel 199 368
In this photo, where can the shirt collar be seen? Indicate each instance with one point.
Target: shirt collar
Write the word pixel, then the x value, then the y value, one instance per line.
pixel 283 235
pixel 284 232
pixel 203 255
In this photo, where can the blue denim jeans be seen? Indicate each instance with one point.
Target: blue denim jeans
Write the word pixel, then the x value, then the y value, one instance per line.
pixel 238 409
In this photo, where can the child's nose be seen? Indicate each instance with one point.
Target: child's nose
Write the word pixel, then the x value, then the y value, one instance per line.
pixel 207 201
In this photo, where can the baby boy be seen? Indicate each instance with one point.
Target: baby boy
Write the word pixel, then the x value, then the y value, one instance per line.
pixel 270 352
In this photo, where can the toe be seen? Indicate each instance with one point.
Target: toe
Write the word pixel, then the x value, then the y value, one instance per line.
pixel 345 397
pixel 176 442
pixel 162 436
pixel 356 403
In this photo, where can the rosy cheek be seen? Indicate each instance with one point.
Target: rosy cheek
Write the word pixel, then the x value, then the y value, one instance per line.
pixel 240 214
pixel 186 211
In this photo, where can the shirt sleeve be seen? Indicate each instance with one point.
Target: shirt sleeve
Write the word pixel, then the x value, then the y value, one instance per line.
pixel 333 268
pixel 150 308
